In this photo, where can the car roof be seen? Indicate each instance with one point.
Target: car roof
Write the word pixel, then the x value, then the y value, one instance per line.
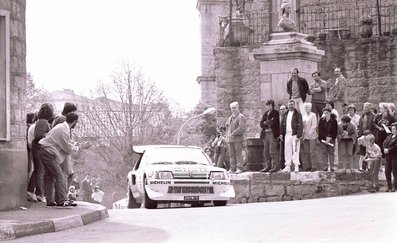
pixel 140 149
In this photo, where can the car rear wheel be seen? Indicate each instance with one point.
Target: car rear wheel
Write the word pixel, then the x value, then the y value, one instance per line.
pixel 131 201
pixel 149 203
pixel 220 203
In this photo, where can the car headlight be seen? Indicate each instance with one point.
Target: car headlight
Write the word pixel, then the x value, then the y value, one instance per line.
pixel 164 175
pixel 218 175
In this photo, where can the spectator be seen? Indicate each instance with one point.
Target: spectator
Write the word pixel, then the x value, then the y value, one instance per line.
pixel 362 141
pixel 220 146
pixel 42 127
pixel 97 195
pixel 297 88
pixel 291 130
pixel 329 104
pixel 382 122
pixel 209 152
pixel 30 124
pixel 309 139
pixel 280 143
pixel 67 166
pixel 327 132
pixel 54 148
pixel 347 135
pixel 72 194
pixel 373 158
pixel 338 91
pixel 390 150
pixel 86 187
pixel 355 120
pixel 393 111
pixel 365 124
pixel 236 126
pixel 270 124
pixel 76 183
pixel 318 90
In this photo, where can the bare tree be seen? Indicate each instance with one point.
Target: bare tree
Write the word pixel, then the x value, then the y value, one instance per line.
pixel 34 96
pixel 131 110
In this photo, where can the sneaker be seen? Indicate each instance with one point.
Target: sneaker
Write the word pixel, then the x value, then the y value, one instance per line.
pixel 238 171
pixel 286 169
pixel 230 172
pixel 41 199
pixel 51 204
pixel 66 204
pixel 32 196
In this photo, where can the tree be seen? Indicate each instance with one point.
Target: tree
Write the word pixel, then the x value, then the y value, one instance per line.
pixel 131 111
pixel 34 96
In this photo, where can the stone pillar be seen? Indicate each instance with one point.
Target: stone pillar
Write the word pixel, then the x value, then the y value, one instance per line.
pixel 277 57
pixel 13 153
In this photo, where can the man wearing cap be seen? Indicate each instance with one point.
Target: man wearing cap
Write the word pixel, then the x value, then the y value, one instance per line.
pixel 338 91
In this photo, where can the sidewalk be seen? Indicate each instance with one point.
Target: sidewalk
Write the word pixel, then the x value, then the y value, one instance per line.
pixel 37 218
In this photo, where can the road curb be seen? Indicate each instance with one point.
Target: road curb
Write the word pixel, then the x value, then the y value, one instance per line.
pixel 14 231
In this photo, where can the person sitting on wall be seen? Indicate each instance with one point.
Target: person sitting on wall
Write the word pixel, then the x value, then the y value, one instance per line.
pixel 286 23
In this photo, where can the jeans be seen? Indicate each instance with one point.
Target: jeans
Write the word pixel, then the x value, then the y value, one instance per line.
pixel 374 172
pixel 346 153
pixel 291 149
pixel 236 156
pixel 391 168
pixel 309 154
pixel 54 175
pixel 219 158
pixel 299 105
pixel 36 182
pixel 270 150
pixel 328 153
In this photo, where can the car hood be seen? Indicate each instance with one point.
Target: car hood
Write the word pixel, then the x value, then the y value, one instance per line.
pixel 183 168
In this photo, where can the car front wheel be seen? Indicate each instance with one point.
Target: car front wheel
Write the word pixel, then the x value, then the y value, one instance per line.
pixel 149 203
pixel 131 201
pixel 220 203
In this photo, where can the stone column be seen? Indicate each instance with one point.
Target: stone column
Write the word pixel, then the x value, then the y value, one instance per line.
pixel 277 57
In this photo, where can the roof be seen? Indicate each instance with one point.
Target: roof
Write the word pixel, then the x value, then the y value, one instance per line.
pixel 139 149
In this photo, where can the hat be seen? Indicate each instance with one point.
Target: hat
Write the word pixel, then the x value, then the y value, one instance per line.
pixel 284 4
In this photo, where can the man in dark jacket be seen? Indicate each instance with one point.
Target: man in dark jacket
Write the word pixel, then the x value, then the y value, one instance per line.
pixel 270 125
pixel 327 132
pixel 297 88
pixel 292 129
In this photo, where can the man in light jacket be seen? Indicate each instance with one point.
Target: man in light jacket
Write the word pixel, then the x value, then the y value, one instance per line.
pixel 55 147
pixel 338 92
pixel 236 126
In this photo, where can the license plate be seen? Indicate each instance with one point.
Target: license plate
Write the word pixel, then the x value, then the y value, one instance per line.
pixel 191 198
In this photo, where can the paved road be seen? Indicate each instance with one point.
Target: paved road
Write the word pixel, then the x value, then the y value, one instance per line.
pixel 361 218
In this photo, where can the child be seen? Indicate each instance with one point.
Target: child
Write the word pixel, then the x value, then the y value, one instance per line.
pixel 373 157
pixel 72 194
pixel 362 142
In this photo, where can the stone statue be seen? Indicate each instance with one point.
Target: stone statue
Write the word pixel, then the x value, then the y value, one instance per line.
pixel 286 23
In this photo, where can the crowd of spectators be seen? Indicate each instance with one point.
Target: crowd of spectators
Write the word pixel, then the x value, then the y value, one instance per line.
pixel 293 134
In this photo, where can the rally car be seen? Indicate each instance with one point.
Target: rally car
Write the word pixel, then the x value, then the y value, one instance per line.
pixel 173 173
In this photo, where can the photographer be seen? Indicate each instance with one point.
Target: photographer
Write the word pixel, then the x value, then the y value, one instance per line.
pixel 220 146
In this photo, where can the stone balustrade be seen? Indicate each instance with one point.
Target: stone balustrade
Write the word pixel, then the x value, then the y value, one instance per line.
pixel 251 187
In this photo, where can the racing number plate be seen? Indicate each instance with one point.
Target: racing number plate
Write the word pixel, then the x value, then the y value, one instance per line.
pixel 191 198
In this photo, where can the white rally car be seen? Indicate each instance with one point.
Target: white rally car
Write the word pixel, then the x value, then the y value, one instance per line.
pixel 173 173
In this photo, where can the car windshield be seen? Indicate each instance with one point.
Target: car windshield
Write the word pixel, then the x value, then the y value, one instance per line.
pixel 178 156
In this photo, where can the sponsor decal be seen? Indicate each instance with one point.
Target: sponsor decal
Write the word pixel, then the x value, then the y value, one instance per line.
pixel 221 183
pixel 160 182
pixel 191 189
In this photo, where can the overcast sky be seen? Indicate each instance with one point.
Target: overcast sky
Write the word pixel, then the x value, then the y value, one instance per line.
pixel 74 43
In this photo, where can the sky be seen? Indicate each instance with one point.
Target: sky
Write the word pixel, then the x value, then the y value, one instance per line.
pixel 75 43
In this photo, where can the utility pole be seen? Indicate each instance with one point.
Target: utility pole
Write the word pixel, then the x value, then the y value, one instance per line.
pixel 379 18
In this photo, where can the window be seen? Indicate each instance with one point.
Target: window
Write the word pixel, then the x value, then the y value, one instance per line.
pixel 4 75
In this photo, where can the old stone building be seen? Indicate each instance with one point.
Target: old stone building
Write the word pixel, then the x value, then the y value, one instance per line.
pixel 13 154
pixel 231 70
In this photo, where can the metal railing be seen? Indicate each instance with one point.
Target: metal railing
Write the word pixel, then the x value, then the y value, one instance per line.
pixel 312 20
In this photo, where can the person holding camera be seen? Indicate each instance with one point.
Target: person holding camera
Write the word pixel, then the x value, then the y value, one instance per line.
pixel 220 146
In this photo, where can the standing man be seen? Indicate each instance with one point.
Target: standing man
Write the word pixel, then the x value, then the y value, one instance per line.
pixel 338 92
pixel 318 90
pixel 292 129
pixel 55 147
pixel 236 126
pixel 297 88
pixel 86 187
pixel 270 125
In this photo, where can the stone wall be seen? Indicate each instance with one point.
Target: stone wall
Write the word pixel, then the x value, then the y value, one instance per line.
pixel 252 187
pixel 13 155
pixel 369 64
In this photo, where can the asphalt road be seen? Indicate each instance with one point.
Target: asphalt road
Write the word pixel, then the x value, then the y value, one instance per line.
pixel 361 218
